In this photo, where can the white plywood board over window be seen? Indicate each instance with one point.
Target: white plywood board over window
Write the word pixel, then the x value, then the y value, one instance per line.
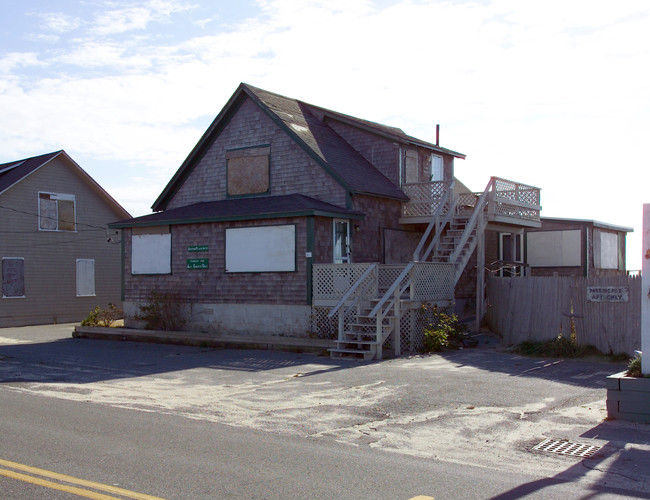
pixel 151 254
pixel 605 250
pixel 261 249
pixel 85 277
pixel 554 248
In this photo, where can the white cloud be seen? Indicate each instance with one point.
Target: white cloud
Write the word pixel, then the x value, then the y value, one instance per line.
pixel 59 22
pixel 553 94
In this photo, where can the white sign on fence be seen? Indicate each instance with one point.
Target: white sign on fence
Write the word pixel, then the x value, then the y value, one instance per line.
pixel 608 294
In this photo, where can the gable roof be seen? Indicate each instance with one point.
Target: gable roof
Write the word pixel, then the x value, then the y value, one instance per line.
pixel 254 208
pixel 13 172
pixel 303 123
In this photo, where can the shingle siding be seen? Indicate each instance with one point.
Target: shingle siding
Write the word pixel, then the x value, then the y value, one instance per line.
pixel 381 214
pixel 382 153
pixel 291 169
pixel 214 285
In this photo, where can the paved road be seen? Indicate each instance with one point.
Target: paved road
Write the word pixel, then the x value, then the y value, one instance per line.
pixel 479 408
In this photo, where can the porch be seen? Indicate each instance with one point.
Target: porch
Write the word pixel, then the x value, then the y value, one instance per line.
pixel 369 305
pixel 508 202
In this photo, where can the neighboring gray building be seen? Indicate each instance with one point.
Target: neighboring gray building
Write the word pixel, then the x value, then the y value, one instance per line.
pixel 59 260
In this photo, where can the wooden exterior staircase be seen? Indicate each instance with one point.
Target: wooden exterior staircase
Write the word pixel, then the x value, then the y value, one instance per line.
pixel 454 231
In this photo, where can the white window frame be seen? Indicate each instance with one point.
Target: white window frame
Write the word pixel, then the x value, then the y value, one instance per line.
pixel 57 197
pixel 437 163
pixel 85 282
pixel 345 256
pixel 519 239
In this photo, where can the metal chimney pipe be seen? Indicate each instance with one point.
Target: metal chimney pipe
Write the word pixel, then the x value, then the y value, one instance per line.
pixel 438 135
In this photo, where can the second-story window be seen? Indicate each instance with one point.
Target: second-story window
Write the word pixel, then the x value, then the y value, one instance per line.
pixel 411 174
pixel 56 212
pixel 248 171
pixel 437 171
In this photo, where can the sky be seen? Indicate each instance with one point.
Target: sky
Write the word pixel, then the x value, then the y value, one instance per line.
pixel 553 94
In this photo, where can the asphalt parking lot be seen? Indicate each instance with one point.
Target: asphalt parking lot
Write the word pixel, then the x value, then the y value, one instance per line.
pixel 477 406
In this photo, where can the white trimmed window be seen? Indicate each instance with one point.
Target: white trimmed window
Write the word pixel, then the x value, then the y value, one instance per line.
pixel 85 277
pixel 56 212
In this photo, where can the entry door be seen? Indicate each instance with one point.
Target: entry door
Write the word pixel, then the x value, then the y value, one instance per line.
pixel 341 241
pixel 511 250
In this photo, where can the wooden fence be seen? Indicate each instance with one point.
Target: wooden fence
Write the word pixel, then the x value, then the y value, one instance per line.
pixel 605 310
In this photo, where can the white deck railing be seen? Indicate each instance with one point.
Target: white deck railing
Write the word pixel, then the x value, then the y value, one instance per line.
pixel 430 281
pixel 509 200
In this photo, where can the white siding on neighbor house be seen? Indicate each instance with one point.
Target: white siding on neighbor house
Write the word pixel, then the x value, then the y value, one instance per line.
pixel 50 257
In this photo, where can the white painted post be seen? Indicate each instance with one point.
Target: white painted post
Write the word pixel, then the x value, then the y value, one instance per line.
pixel 480 273
pixel 645 292
pixel 380 335
pixel 397 334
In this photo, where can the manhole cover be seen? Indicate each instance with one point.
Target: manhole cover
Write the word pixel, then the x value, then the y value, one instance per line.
pixel 564 447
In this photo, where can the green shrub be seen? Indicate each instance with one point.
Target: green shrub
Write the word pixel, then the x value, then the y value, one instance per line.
pixel 103 317
pixel 441 330
pixel 634 367
pixel 163 311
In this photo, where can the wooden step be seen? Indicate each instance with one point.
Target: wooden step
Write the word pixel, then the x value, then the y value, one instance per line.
pixel 357 353
pixel 356 342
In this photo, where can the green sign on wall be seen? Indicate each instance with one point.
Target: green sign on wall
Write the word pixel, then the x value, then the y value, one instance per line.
pixel 197 248
pixel 197 264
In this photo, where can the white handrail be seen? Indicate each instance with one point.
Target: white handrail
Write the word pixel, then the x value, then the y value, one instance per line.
pixel 352 289
pixel 435 221
pixel 391 290
pixel 480 206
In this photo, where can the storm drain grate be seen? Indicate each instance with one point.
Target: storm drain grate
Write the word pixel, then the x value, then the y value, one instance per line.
pixel 564 447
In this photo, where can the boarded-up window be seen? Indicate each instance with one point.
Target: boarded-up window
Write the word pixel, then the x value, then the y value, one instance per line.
pixel 85 277
pixel 554 248
pixel 151 254
pixel 411 174
pixel 13 277
pixel 260 249
pixel 606 250
pixel 56 212
pixel 248 171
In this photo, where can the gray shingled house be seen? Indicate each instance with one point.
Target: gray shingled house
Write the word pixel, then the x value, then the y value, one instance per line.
pixel 57 264
pixel 291 219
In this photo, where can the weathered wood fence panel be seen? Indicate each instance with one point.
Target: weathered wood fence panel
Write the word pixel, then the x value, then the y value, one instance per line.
pixel 539 308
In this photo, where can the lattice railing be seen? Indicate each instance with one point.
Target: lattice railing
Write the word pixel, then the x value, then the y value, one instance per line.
pixel 425 198
pixel 388 273
pixel 511 199
pixel 433 281
pixel 516 200
pixel 430 282
pixel 332 281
